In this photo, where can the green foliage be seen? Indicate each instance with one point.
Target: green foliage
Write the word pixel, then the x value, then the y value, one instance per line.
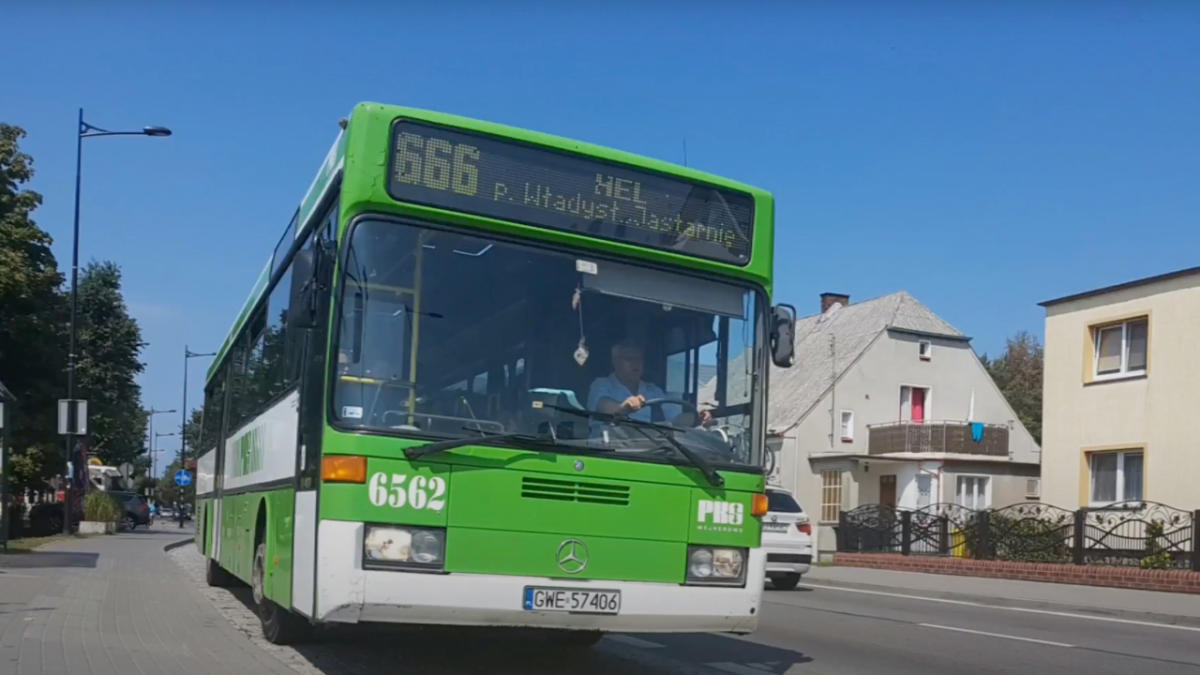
pixel 192 433
pixel 1157 558
pixel 32 320
pixel 1018 374
pixel 1018 540
pixel 168 493
pixel 102 507
pixel 34 330
pixel 109 347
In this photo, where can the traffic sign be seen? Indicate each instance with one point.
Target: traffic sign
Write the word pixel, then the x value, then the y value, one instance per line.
pixel 183 478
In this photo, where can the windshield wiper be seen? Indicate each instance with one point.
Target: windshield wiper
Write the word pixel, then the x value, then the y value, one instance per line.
pixel 449 444
pixel 667 434
pixel 486 437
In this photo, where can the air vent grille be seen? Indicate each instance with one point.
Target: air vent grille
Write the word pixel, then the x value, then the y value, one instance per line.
pixel 574 491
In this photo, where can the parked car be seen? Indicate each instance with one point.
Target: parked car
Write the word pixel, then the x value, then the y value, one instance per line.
pixel 137 510
pixel 787 540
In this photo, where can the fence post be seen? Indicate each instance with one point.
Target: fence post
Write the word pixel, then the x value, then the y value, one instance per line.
pixel 943 534
pixel 1196 540
pixel 905 532
pixel 840 533
pixel 983 542
pixel 1078 543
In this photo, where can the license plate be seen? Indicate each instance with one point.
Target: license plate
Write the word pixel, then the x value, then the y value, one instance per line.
pixel 572 600
pixel 775 527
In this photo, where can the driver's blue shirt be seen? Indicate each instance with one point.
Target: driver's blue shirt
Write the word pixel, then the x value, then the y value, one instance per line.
pixel 612 388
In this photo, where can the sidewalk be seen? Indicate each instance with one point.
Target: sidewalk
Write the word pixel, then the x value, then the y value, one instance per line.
pixel 115 605
pixel 1063 597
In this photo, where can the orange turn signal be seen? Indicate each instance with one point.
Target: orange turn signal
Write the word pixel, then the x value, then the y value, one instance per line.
pixel 758 506
pixel 344 469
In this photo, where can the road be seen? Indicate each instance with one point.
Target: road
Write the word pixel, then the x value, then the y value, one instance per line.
pixel 817 628
pixel 121 604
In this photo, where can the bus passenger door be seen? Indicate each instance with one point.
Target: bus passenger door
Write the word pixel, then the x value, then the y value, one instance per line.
pixel 311 292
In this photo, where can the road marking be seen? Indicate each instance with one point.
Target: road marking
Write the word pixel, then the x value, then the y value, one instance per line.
pixel 1030 610
pixel 631 641
pixel 997 635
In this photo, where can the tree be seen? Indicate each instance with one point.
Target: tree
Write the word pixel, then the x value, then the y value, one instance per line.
pixel 32 312
pixel 1018 374
pixel 167 492
pixel 192 434
pixel 108 363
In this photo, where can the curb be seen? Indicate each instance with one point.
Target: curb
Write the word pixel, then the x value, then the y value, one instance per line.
pixel 177 544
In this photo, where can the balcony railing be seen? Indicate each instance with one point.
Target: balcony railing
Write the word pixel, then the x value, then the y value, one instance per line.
pixel 931 436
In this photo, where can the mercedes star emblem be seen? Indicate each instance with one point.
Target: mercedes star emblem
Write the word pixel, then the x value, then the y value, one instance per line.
pixel 572 556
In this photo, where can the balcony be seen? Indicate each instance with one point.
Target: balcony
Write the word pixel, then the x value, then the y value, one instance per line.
pixel 933 436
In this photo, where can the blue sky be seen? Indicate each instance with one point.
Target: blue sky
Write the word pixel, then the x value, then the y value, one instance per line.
pixel 982 157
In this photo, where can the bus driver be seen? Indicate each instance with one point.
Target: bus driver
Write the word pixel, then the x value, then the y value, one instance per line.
pixel 624 391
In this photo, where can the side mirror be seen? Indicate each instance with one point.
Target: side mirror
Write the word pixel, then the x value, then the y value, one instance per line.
pixel 311 271
pixel 783 335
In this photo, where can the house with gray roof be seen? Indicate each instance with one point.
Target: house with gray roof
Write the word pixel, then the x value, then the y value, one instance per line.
pixel 888 403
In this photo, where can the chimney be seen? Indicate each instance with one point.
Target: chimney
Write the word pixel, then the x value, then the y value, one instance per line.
pixel 830 299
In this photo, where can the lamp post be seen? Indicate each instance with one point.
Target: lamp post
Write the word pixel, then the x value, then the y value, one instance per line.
pixel 188 354
pixel 84 130
pixel 150 433
pixel 154 456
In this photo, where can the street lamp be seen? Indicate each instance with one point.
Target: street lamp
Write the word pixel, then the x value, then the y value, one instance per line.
pixel 188 354
pixel 150 432
pixel 82 131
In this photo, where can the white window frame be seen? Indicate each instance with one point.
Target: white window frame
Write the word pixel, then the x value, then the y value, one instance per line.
pixel 1124 370
pixel 847 425
pixel 928 401
pixel 925 350
pixel 831 494
pixel 1120 491
pixel 987 489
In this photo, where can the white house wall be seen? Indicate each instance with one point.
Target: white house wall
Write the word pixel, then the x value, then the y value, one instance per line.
pixel 871 389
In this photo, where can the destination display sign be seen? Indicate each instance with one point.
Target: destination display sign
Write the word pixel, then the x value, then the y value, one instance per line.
pixel 509 180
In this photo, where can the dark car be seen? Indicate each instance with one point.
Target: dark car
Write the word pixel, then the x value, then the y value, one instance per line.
pixel 137 511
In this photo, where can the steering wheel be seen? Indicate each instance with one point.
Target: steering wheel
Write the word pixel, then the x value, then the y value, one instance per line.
pixel 665 401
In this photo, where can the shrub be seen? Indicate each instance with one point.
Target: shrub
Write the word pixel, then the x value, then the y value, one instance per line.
pixel 1017 539
pixel 1157 558
pixel 101 507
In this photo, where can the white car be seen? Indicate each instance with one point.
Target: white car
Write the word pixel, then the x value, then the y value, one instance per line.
pixel 786 539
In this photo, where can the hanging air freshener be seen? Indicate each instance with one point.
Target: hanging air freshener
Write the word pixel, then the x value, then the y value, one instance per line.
pixel 581 353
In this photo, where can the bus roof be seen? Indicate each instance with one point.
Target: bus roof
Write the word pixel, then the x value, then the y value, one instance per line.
pixel 366 131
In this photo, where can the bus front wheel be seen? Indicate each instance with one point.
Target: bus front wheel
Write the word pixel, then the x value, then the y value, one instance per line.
pixel 216 575
pixel 279 626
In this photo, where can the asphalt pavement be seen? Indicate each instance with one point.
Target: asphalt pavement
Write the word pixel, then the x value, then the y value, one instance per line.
pixel 121 604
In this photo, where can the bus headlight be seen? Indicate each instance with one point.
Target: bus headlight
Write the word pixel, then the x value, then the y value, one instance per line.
pixel 714 565
pixel 392 546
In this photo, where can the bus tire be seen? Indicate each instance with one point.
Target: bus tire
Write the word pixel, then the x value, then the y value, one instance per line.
pixel 785 582
pixel 216 575
pixel 279 626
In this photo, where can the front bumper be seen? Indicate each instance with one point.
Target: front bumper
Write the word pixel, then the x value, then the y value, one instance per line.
pixel 346 593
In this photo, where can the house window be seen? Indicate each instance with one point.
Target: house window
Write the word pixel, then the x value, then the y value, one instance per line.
pixel 831 496
pixel 1033 488
pixel 924 489
pixel 925 349
pixel 1120 349
pixel 973 492
pixel 847 426
pixel 1116 476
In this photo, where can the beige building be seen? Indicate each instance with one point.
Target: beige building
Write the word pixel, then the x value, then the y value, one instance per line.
pixel 1121 399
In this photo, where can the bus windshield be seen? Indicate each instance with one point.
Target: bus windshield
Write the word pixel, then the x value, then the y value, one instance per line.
pixel 446 335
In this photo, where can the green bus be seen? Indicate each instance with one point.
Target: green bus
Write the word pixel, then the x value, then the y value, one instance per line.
pixel 494 377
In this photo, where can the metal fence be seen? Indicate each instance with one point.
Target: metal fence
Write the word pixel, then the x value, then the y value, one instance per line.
pixel 1136 534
